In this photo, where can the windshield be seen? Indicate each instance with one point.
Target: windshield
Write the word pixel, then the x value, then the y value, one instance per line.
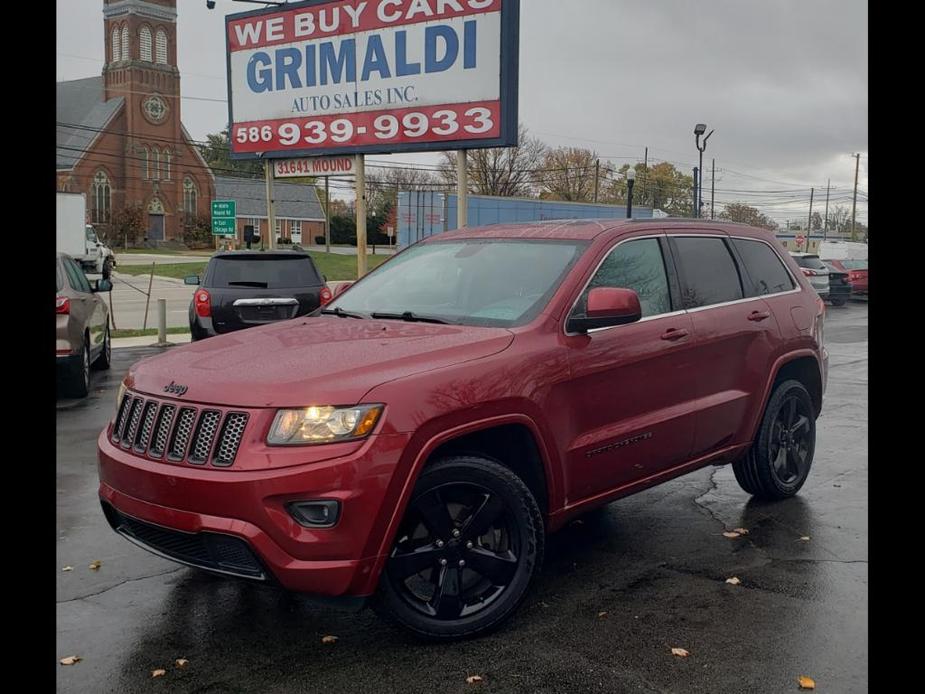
pixel 471 282
pixel 855 264
pixel 270 272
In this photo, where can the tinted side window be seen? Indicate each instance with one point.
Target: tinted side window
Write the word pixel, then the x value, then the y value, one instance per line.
pixel 766 272
pixel 708 272
pixel 636 265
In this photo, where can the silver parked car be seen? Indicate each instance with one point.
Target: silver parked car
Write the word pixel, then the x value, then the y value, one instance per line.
pixel 816 271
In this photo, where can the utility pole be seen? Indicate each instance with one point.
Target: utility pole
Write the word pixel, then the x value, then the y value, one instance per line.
pixel 327 215
pixel 825 223
pixel 712 186
pixel 854 202
pixel 696 206
pixel 597 175
pixel 462 190
pixel 271 212
pixel 809 225
pixel 361 214
pixel 645 175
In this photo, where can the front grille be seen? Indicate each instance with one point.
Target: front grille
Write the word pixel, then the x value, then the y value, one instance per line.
pixel 205 434
pixel 230 438
pixel 181 434
pixel 212 551
pixel 147 423
pixel 178 433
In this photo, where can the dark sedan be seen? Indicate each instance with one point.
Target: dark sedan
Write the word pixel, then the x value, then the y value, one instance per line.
pixel 243 289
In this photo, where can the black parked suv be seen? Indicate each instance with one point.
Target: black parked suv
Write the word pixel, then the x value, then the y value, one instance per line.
pixel 243 289
pixel 839 286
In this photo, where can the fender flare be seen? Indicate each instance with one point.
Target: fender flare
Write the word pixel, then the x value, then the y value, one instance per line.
pixel 779 363
pixel 554 481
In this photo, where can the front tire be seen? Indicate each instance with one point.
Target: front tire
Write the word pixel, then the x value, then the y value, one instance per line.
pixel 778 463
pixel 466 552
pixel 839 301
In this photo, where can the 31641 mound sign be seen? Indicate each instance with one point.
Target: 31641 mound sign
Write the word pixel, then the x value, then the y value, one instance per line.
pixel 224 217
pixel 342 76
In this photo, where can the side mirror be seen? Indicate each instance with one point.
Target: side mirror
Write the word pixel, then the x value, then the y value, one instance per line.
pixel 191 279
pixel 607 306
pixel 342 287
pixel 103 285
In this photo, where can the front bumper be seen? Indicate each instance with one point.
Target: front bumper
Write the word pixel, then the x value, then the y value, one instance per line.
pixel 189 506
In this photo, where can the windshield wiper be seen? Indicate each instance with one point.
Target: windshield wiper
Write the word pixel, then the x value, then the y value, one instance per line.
pixel 411 317
pixel 341 313
pixel 258 285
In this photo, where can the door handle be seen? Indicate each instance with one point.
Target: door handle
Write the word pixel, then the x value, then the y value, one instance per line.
pixel 758 315
pixel 674 334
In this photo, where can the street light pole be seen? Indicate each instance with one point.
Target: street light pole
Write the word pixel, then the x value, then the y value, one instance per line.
pixel 699 130
pixel 630 182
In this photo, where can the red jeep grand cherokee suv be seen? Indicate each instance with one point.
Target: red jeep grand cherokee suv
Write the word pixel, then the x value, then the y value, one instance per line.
pixel 415 440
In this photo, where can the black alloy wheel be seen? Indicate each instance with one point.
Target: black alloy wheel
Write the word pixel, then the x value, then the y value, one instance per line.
pixel 467 548
pixel 778 462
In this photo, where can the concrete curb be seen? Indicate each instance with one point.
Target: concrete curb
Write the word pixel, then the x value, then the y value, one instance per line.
pixel 149 341
pixel 160 278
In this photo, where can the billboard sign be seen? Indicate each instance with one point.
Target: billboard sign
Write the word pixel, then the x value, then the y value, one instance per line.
pixel 361 76
pixel 314 166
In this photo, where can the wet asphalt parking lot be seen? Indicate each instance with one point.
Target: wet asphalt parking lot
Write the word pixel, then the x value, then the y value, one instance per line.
pixel 656 563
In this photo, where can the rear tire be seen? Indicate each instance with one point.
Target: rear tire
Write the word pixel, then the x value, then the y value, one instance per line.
pixel 778 463
pixel 75 381
pixel 839 302
pixel 467 550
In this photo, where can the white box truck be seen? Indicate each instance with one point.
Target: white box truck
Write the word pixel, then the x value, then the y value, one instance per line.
pixel 77 238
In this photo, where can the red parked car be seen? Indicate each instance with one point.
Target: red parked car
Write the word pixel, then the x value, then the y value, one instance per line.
pixel 415 440
pixel 857 274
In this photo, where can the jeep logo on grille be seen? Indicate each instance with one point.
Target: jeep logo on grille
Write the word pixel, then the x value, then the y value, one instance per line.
pixel 175 388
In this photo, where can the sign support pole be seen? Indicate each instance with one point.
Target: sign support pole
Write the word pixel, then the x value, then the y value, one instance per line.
pixel 462 190
pixel 327 215
pixel 361 214
pixel 271 213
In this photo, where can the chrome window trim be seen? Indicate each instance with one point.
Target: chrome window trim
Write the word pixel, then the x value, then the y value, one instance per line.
pixel 798 287
pixel 273 301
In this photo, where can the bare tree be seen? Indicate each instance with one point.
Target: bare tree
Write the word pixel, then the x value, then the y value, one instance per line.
pixel 383 185
pixel 568 174
pixel 503 171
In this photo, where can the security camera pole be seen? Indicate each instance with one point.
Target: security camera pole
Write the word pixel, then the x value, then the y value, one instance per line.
pixel 699 130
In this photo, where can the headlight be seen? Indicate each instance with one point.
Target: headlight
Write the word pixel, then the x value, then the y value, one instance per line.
pixel 312 425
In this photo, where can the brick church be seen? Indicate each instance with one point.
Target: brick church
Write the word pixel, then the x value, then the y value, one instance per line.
pixel 119 136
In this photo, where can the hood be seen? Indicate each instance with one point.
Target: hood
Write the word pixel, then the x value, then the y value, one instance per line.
pixel 323 360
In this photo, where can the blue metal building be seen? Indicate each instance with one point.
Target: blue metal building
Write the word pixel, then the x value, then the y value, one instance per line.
pixel 425 213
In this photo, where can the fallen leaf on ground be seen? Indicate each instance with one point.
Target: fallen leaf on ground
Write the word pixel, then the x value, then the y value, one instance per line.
pixel 181 662
pixel 805 538
pixel 731 534
pixel 95 565
pixel 160 672
pixel 601 615
pixel 806 682
pixel 472 679
pixel 680 652
pixel 741 531
pixel 328 639
pixel 71 659
pixel 68 568
pixel 733 581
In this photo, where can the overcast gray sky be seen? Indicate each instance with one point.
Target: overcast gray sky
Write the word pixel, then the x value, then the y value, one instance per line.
pixel 783 82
